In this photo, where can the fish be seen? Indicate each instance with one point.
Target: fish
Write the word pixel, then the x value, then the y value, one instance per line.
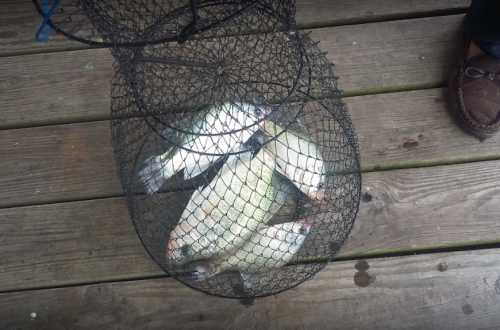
pixel 271 247
pixel 214 134
pixel 221 216
pixel 297 158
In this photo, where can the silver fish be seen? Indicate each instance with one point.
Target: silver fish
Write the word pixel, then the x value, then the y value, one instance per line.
pixel 223 129
pixel 298 159
pixel 269 248
pixel 221 216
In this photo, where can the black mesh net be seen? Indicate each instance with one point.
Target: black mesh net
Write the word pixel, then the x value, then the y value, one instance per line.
pixel 239 160
pixel 248 78
pixel 126 23
pixel 237 156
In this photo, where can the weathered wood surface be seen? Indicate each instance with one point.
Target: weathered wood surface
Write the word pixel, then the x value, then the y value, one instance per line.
pixel 52 88
pixel 19 19
pixel 54 163
pixel 69 243
pixel 87 241
pixel 399 54
pixel 74 86
pixel 411 129
pixel 328 12
pixel 452 291
pixel 18 24
pixel 69 162
pixel 93 241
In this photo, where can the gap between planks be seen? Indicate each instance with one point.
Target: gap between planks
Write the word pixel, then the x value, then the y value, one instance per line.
pixel 408 211
pixel 105 116
pixel 21 19
pixel 75 161
pixel 375 169
pixel 389 254
pixel 451 291
pixel 378 58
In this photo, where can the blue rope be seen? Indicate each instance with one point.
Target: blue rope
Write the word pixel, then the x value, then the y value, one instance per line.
pixel 44 31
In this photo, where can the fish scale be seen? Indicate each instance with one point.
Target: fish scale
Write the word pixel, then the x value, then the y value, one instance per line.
pixel 269 248
pixel 297 158
pixel 241 206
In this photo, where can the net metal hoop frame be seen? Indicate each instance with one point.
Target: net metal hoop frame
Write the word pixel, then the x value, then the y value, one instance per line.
pixel 175 38
pixel 303 70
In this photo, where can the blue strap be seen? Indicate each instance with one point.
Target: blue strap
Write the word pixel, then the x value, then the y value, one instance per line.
pixel 44 31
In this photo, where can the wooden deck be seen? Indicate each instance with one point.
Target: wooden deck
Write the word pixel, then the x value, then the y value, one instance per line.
pixel 428 228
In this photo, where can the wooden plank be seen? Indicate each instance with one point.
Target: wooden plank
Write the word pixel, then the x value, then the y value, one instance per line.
pixel 405 210
pixel 74 86
pixel 57 163
pixel 68 243
pixel 400 54
pixel 413 128
pixel 68 162
pixel 451 291
pixel 52 88
pixel 20 20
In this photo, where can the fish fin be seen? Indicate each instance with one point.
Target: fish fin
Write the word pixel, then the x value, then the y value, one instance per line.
pixel 197 169
pixel 254 143
pixel 248 280
pixel 200 274
pixel 246 297
pixel 287 185
pixel 209 174
pixel 202 271
pixel 154 173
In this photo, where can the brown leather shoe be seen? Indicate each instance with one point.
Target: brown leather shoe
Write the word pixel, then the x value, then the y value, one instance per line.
pixel 475 96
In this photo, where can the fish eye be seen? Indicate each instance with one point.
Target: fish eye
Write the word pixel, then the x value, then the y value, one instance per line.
pixel 185 250
pixel 302 231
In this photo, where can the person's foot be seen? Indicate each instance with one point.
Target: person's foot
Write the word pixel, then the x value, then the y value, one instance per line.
pixel 475 93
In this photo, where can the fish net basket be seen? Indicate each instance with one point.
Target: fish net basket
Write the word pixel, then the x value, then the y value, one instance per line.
pixel 125 23
pixel 238 159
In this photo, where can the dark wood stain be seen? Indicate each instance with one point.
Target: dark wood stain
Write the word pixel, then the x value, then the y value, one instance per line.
pixel 362 278
pixel 367 197
pixel 410 143
pixel 362 266
pixel 247 302
pixel 442 266
pixel 467 309
pixel 497 286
